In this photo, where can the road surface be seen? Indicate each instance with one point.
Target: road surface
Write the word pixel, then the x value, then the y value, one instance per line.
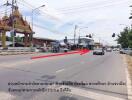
pixel 86 68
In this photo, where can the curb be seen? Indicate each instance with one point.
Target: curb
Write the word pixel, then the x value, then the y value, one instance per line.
pixel 129 83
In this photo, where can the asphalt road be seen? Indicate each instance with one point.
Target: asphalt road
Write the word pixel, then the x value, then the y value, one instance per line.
pixel 86 68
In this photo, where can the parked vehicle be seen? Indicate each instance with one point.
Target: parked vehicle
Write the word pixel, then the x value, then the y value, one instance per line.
pixel 98 51
pixel 126 51
pixel 122 51
pixel 59 47
pixel 55 46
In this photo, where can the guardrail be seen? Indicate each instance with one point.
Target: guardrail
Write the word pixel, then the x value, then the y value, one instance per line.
pixel 17 49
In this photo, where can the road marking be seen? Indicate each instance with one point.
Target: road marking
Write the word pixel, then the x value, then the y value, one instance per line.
pixel 91 95
pixel 6 96
pixel 61 70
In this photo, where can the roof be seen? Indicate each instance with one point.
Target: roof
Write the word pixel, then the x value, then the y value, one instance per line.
pixel 44 38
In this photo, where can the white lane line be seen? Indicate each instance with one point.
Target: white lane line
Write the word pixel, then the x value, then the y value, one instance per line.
pixel 61 70
pixel 91 95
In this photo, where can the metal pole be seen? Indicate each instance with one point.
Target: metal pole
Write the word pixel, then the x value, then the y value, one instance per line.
pixel 75 33
pixel 33 13
pixel 13 41
pixel 32 19
pixel 80 33
pixel 33 22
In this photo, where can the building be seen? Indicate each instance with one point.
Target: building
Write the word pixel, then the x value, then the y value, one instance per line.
pixel 41 42
pixel 82 42
pixel 98 45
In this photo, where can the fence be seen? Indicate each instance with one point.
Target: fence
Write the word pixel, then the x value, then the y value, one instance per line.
pixel 17 49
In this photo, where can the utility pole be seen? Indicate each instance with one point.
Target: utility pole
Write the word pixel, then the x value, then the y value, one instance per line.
pixel 130 16
pixel 75 33
pixel 33 10
pixel 80 33
pixel 13 40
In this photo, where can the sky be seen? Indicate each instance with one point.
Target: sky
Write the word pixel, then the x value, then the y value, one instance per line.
pixel 58 18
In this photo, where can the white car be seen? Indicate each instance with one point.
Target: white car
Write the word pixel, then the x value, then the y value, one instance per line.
pixel 64 50
pixel 109 50
pixel 98 51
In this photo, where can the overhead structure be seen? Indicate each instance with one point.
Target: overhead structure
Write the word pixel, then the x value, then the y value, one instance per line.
pixel 15 23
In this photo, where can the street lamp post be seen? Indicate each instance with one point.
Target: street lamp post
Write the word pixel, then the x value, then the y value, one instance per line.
pixel 79 32
pixel 33 10
pixel 33 13
pixel 75 34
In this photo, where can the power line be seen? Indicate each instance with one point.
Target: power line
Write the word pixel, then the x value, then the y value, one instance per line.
pixel 83 9
pixel 42 12
pixel 37 13
pixel 85 4
pixel 45 28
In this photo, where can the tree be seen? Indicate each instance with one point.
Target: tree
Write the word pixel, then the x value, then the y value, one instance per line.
pixel 122 38
pixel 130 38
pixel 125 38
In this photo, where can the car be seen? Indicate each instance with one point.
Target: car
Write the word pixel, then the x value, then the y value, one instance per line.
pixel 64 49
pixel 126 51
pixel 109 50
pixel 98 51
pixel 122 51
pixel 114 49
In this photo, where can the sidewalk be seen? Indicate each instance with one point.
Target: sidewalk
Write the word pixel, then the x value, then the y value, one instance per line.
pixel 129 62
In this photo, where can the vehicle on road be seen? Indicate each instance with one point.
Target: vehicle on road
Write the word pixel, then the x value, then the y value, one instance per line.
pixel 64 49
pixel 98 51
pixel 108 50
pixel 55 46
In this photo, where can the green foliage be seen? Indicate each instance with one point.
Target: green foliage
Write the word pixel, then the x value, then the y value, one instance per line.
pixel 18 39
pixel 125 38
pixel 130 38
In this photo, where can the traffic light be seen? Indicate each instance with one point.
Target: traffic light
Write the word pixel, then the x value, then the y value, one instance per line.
pixel 130 17
pixel 87 35
pixel 65 40
pixel 90 36
pixel 113 35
